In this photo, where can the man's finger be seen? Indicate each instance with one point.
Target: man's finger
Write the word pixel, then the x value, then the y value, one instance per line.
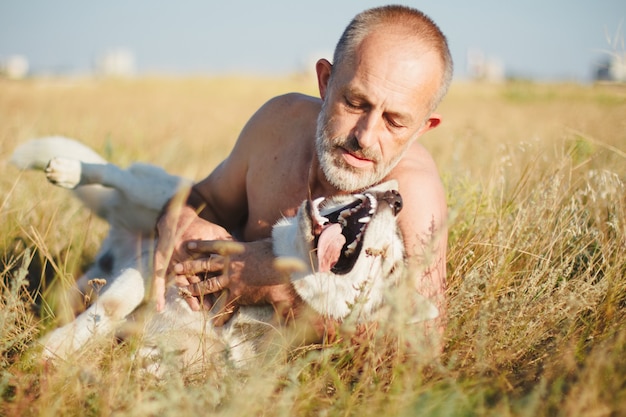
pixel 220 247
pixel 193 302
pixel 222 317
pixel 158 282
pixel 208 265
pixel 185 280
pixel 159 292
pixel 208 286
pixel 224 307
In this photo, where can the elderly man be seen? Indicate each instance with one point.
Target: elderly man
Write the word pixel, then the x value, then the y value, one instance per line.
pixel 391 69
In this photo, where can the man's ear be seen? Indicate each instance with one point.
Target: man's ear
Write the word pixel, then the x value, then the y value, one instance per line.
pixel 432 122
pixel 323 68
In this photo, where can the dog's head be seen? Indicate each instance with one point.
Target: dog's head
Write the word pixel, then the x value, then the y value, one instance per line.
pixel 351 246
pixel 340 229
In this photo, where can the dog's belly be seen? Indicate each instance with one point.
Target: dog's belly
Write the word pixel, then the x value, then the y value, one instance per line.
pixel 192 341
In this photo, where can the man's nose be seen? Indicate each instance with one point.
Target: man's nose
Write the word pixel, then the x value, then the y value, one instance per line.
pixel 366 130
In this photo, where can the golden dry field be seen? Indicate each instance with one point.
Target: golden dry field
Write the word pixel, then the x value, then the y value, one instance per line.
pixel 536 268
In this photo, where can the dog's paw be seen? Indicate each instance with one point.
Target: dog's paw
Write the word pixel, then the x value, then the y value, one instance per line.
pixel 64 172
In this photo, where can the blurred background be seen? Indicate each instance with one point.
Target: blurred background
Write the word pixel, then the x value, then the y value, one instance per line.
pixel 557 40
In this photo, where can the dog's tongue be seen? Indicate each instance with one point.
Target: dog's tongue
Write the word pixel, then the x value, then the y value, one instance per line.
pixel 329 246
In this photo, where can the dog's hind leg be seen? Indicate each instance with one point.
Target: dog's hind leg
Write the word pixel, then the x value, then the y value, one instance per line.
pixel 101 319
pixel 143 184
pixel 64 172
pixel 72 173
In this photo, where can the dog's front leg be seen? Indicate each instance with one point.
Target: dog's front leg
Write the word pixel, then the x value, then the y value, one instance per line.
pixel 65 341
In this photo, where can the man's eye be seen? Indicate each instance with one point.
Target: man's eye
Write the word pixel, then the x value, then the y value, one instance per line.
pixel 391 122
pixel 351 104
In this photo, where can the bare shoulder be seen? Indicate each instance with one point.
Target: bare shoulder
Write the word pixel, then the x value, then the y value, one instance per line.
pixel 425 207
pixel 282 116
pixel 292 103
pixel 417 172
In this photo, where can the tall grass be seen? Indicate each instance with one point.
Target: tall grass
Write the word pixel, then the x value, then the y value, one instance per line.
pixel 536 289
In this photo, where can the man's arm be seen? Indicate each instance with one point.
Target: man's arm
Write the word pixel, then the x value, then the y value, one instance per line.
pixel 178 225
pixel 216 204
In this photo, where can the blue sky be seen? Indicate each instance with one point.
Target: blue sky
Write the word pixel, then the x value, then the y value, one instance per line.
pixel 550 39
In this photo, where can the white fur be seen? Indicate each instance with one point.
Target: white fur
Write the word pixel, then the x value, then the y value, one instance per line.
pixel 130 201
pixel 337 295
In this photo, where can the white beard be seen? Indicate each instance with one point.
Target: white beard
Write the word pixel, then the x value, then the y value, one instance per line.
pixel 341 175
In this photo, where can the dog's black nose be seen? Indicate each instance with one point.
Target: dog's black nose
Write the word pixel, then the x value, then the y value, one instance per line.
pixel 394 199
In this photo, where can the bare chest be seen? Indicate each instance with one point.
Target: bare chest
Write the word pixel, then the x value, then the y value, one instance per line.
pixel 276 188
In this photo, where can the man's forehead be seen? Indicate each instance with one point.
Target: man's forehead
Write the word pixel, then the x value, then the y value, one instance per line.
pixel 402 88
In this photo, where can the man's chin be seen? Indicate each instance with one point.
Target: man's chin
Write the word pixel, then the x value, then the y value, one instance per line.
pixel 351 180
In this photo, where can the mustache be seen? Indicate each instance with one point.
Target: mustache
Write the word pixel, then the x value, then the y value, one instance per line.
pixel 351 144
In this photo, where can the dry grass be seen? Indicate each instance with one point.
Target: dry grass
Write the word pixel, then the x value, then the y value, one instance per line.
pixel 537 295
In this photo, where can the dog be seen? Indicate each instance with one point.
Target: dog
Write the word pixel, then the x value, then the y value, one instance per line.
pixel 348 251
pixel 130 201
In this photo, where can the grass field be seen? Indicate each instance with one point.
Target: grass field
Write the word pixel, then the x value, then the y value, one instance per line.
pixel 537 256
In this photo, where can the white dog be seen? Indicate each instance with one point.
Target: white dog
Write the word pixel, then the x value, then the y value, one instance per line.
pixel 130 201
pixel 350 249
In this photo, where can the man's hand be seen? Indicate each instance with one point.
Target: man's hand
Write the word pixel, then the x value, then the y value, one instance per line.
pixel 240 273
pixel 207 276
pixel 177 227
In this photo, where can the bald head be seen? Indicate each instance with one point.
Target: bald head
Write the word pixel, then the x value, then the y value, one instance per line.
pixel 413 28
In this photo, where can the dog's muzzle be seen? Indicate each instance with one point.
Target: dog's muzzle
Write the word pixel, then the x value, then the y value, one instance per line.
pixel 348 224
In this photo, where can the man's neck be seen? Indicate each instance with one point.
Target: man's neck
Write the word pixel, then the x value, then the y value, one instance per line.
pixel 318 184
